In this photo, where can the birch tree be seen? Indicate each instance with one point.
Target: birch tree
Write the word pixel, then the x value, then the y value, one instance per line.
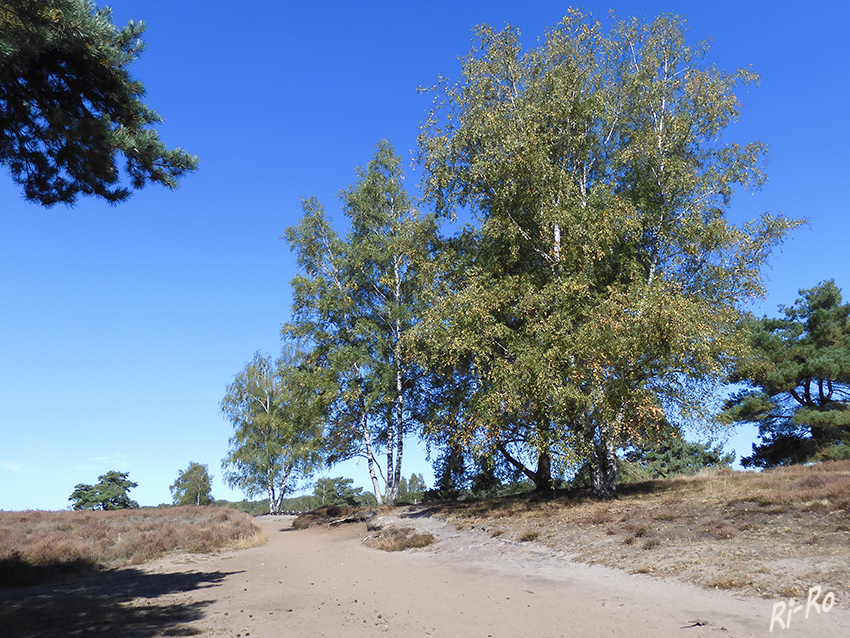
pixel 273 406
pixel 193 486
pixel 604 289
pixel 355 300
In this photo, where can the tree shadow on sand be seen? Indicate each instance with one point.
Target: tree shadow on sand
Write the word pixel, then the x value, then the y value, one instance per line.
pixel 123 602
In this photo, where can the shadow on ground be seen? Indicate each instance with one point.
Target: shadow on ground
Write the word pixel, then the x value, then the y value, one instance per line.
pixel 122 602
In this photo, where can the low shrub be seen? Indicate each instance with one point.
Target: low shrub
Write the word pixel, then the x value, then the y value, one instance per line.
pixel 396 539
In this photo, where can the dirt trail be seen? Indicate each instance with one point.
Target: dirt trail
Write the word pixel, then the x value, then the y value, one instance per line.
pixel 322 582
pixel 325 582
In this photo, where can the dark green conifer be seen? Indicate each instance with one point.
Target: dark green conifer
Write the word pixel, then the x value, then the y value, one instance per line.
pixel 798 385
pixel 69 107
pixel 110 493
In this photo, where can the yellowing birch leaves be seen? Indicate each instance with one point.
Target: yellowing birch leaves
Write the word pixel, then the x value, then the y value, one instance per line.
pixel 601 287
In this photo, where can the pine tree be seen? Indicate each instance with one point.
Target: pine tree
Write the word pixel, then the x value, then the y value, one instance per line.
pixel 798 383
pixel 110 493
pixel 69 106
pixel 674 456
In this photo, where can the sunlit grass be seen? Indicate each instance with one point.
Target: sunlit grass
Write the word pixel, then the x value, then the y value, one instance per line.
pixel 764 532
pixel 37 544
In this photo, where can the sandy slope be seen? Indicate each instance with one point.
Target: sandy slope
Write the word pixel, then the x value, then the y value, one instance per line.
pixel 322 582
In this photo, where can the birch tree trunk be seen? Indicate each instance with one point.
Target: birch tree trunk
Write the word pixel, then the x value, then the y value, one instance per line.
pixel 272 499
pixel 399 389
pixel 370 460
pixel 603 464
pixel 363 418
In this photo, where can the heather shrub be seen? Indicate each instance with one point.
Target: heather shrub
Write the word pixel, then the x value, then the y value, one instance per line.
pixel 35 545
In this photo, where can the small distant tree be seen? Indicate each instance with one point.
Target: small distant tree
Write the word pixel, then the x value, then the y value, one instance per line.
pixel 335 491
pixel 411 490
pixel 273 406
pixel 193 486
pixel 109 494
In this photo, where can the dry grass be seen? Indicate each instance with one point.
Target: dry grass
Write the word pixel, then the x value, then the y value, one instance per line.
pixel 35 545
pixel 331 515
pixel 397 539
pixel 768 533
pixel 388 539
pixel 529 536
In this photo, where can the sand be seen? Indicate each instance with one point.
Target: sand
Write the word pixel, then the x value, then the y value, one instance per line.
pixel 326 582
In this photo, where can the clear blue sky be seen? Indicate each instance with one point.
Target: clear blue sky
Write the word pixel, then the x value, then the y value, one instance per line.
pixel 121 326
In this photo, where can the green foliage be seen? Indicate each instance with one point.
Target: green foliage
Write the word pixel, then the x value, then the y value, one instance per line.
pixel 68 105
pixel 355 300
pixel 275 410
pixel 602 285
pixel 460 476
pixel 339 492
pixel 674 456
pixel 412 490
pixel 193 486
pixel 450 471
pixel 798 383
pixel 110 493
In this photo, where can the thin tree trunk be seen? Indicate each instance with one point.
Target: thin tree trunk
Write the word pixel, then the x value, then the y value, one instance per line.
pixel 557 246
pixel 395 423
pixel 399 402
pixel 363 419
pixel 282 488
pixel 370 458
pixel 388 493
pixel 603 465
pixel 270 487
pixel 399 441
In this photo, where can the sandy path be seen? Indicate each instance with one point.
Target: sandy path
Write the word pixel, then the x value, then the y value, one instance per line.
pixel 323 582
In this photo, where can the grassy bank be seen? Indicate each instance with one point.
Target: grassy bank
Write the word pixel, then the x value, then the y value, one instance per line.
pixel 777 532
pixel 35 545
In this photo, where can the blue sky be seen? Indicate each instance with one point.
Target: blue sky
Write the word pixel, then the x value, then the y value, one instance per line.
pixel 120 327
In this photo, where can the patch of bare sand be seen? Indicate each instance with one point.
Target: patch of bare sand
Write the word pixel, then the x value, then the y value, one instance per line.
pixel 325 582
